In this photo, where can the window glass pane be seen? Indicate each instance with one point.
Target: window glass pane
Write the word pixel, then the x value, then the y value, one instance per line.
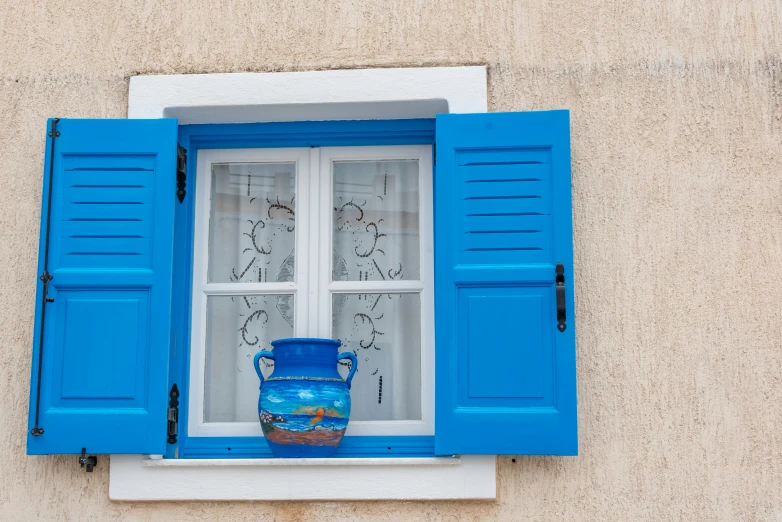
pixel 237 327
pixel 252 222
pixel 375 223
pixel 384 331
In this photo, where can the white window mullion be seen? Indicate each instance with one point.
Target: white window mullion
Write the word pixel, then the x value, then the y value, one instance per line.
pixel 323 227
pixel 315 275
pixel 376 287
pixel 250 288
pixel 302 314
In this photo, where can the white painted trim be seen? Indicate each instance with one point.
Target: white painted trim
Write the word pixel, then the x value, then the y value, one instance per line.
pixel 357 94
pixel 469 477
pixel 324 95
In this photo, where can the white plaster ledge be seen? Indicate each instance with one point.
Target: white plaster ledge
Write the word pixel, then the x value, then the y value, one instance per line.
pixel 133 477
pixel 357 94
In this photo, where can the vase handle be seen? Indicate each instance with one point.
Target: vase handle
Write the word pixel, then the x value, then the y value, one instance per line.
pixel 353 367
pixel 263 354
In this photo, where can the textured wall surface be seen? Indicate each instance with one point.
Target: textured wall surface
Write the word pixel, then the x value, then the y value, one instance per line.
pixel 677 177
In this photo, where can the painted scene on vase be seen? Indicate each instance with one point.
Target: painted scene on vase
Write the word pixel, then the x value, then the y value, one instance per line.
pixel 307 412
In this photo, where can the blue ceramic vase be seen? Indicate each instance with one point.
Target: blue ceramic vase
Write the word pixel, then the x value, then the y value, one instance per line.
pixel 304 405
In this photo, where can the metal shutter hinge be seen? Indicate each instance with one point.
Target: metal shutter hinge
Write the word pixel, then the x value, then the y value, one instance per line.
pixel 46 277
pixel 181 172
pixel 54 132
pixel 173 414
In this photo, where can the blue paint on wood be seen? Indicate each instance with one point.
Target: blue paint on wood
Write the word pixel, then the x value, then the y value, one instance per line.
pixel 350 447
pixel 107 333
pixel 308 134
pixel 505 376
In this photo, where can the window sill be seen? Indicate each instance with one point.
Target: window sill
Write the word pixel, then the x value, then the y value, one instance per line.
pixel 133 477
pixel 340 462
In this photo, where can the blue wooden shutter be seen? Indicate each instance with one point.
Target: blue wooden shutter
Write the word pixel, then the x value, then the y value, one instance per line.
pixel 505 373
pixel 101 345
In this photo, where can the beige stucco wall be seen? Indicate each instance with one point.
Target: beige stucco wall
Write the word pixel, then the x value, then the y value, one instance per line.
pixel 677 176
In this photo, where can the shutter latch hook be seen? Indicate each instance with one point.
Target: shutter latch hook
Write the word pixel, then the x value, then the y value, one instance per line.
pixel 560 286
pixel 88 462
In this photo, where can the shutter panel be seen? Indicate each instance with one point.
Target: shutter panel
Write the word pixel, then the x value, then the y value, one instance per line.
pixel 103 340
pixel 505 374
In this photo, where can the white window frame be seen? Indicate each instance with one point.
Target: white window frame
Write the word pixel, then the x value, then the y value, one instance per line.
pixel 312 288
pixel 391 93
